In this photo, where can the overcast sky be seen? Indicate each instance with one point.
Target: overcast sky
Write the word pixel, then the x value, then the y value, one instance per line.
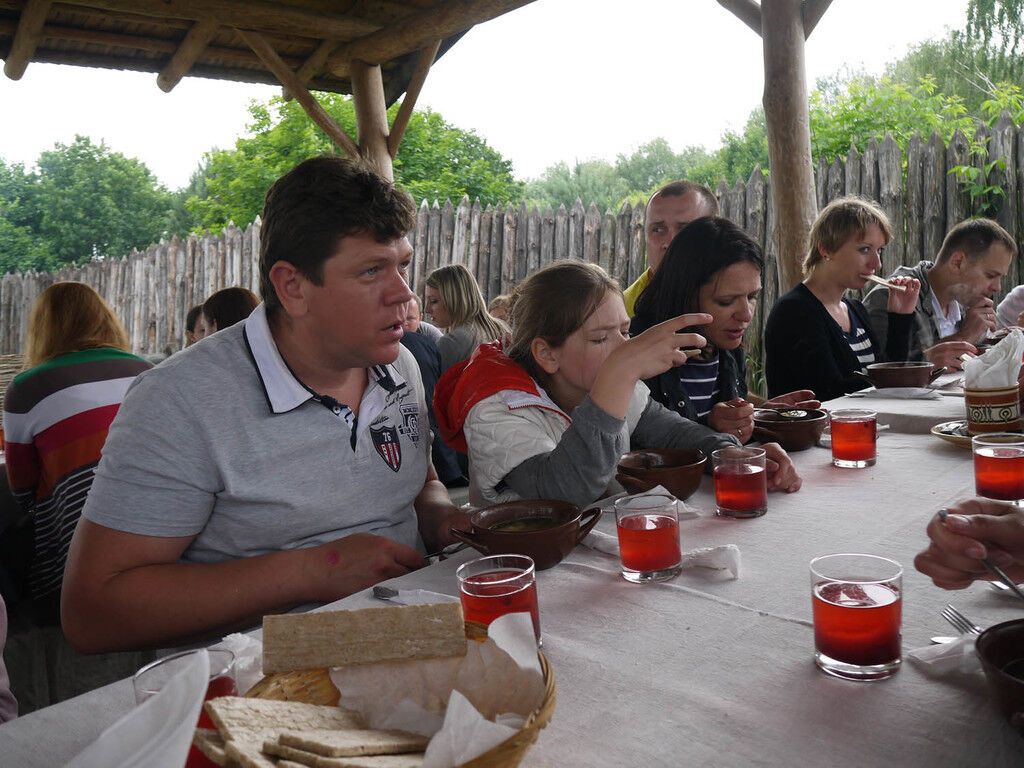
pixel 556 80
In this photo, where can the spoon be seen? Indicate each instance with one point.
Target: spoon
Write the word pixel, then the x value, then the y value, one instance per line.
pixel 941 639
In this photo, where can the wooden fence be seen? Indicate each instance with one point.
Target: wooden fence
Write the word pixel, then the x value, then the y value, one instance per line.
pixel 153 290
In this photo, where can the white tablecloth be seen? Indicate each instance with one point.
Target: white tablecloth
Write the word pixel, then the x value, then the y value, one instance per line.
pixel 912 416
pixel 706 671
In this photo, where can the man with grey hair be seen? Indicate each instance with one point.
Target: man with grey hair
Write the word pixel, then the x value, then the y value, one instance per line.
pixel 670 209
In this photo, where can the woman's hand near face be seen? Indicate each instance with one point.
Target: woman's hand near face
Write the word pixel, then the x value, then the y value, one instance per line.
pixel 733 417
pixel 648 354
pixel 658 348
pixel 782 475
pixel 904 302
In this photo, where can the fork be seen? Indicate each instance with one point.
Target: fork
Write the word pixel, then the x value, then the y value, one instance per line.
pixel 961 622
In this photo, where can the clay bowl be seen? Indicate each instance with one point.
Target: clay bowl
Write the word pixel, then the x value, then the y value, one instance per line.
pixel 1001 650
pixel 792 433
pixel 678 470
pixel 905 374
pixel 544 529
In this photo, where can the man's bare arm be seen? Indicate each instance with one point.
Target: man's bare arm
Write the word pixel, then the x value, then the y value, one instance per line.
pixel 125 591
pixel 437 514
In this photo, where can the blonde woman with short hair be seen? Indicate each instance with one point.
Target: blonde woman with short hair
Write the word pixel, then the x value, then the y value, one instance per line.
pixel 817 337
pixel 454 302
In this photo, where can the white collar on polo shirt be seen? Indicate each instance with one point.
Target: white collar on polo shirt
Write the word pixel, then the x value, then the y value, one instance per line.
pixel 285 392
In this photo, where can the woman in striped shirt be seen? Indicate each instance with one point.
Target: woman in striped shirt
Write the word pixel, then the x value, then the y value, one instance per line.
pixel 712 266
pixel 56 414
pixel 817 337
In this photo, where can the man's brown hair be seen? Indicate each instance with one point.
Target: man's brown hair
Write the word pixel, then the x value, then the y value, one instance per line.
pixel 683 187
pixel 320 201
pixel 974 237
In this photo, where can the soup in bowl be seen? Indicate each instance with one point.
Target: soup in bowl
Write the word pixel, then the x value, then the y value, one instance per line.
pixel 545 529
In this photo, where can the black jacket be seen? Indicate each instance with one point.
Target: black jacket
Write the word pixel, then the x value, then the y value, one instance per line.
pixel 668 388
pixel 804 347
pixel 429 359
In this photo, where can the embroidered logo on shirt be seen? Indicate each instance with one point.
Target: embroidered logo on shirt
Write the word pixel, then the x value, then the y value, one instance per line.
pixel 385 440
pixel 411 422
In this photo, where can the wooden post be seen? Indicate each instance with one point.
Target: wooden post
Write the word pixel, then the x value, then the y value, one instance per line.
pixel 26 37
pixel 789 135
pixel 195 42
pixel 371 116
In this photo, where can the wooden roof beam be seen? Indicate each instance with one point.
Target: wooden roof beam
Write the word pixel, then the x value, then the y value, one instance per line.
pixel 289 80
pixel 232 57
pixel 747 11
pixel 257 15
pixel 195 42
pixel 419 30
pixel 812 12
pixel 412 92
pixel 27 37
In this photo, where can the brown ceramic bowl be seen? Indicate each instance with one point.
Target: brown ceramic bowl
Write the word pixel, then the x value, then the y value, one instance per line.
pixel 544 529
pixel 1001 650
pixel 792 433
pixel 905 374
pixel 678 470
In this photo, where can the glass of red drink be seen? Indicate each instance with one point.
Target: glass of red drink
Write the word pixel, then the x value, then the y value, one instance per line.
pixel 853 437
pixel 492 586
pixel 648 528
pixel 857 601
pixel 151 679
pixel 741 483
pixel 999 466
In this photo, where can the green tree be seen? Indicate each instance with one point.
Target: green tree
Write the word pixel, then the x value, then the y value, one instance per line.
pixel 592 181
pixel 998 26
pixel 652 164
pixel 21 248
pixel 436 161
pixel 868 108
pixel 97 203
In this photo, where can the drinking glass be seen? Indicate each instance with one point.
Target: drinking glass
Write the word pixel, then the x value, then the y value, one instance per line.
pixel 648 528
pixel 999 466
pixel 853 437
pixel 741 483
pixel 151 679
pixel 492 586
pixel 857 602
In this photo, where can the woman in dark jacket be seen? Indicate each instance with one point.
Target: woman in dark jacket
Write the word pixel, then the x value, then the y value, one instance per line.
pixel 818 337
pixel 715 267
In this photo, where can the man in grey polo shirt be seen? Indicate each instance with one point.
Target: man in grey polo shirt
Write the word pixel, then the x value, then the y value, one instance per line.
pixel 283 461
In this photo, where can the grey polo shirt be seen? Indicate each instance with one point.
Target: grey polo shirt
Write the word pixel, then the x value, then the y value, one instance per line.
pixel 223 443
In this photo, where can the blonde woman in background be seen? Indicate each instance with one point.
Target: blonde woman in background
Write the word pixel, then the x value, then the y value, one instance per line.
pixel 56 415
pixel 454 301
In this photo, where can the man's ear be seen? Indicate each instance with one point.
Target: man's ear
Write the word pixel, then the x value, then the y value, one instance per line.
pixel 290 285
pixel 823 252
pixel 545 356
pixel 956 260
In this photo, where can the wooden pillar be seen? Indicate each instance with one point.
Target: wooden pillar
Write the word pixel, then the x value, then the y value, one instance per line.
pixel 371 116
pixel 789 136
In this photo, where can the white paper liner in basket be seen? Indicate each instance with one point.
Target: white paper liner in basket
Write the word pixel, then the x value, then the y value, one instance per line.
pixel 498 680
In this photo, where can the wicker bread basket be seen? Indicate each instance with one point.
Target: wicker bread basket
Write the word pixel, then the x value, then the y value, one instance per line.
pixel 314 686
